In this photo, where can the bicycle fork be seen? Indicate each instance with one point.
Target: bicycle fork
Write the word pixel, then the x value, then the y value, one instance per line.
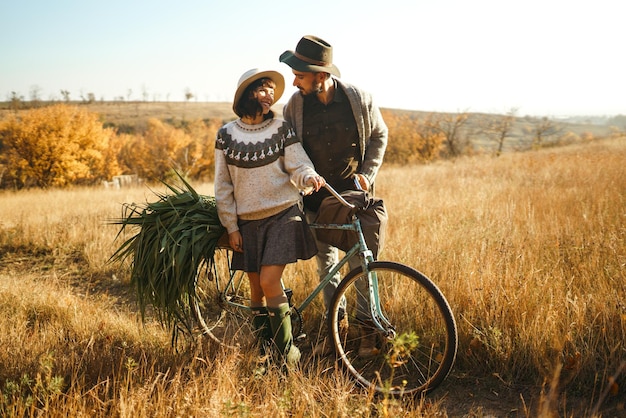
pixel 375 312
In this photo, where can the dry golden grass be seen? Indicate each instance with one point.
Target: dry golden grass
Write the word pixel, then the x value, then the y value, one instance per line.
pixel 529 249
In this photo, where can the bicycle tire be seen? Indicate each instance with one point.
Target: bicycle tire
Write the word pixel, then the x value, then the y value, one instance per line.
pixel 212 307
pixel 423 350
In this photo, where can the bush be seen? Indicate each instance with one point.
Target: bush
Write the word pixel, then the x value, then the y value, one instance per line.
pixel 164 147
pixel 55 146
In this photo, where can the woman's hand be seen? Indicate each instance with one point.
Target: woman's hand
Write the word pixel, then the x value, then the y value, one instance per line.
pixel 236 241
pixel 315 183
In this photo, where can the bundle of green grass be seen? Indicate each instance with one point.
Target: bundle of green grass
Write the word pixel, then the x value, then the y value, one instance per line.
pixel 176 235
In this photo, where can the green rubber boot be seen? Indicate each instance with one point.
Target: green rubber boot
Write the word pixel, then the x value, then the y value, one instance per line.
pixel 263 332
pixel 262 328
pixel 283 339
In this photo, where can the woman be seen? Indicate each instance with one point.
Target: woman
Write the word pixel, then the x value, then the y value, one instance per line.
pixel 260 166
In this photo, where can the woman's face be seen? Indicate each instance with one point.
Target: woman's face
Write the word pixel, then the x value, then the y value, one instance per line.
pixel 265 95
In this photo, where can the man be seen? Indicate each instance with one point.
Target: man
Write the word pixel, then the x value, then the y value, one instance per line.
pixel 344 135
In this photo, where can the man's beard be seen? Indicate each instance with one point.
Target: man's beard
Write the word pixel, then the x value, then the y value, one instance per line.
pixel 316 88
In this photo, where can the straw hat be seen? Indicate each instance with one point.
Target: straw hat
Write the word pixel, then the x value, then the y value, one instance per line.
pixel 255 74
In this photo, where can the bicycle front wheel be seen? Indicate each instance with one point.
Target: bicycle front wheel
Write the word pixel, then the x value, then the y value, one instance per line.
pixel 416 347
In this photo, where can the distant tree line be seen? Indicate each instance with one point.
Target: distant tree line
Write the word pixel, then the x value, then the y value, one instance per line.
pixel 424 137
pixel 17 101
pixel 63 144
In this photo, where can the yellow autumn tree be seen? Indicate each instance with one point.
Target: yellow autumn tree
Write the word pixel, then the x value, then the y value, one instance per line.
pixel 201 161
pixel 163 147
pixel 54 146
pixel 152 154
pixel 411 139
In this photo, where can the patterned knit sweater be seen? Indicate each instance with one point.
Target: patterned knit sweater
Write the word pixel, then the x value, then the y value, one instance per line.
pixel 259 170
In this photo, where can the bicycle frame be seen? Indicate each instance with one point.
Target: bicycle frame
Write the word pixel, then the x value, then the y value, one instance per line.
pixel 367 257
pixel 358 249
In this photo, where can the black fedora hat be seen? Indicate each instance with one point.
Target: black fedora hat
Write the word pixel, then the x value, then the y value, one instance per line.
pixel 312 54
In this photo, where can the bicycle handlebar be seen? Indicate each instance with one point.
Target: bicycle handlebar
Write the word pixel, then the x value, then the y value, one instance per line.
pixel 338 196
pixel 334 193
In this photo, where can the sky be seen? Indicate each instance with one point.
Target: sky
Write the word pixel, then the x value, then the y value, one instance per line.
pixel 534 57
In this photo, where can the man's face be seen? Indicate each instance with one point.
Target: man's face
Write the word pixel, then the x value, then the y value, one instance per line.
pixel 307 83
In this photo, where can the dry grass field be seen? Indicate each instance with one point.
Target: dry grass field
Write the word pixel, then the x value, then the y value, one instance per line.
pixel 529 248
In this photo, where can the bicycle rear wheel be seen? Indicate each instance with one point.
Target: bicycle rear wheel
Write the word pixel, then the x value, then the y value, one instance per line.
pixel 221 306
pixel 419 347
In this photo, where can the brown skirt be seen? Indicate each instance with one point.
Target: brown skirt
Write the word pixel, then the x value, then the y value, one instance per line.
pixel 280 239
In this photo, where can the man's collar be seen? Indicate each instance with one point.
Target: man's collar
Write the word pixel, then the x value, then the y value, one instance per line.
pixel 340 95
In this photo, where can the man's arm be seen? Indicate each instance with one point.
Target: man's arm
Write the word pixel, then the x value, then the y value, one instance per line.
pixel 376 144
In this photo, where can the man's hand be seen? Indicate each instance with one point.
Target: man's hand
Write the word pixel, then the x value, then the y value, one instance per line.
pixel 365 184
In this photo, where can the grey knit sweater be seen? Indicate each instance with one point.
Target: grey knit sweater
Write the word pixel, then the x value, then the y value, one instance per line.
pixel 259 170
pixel 369 122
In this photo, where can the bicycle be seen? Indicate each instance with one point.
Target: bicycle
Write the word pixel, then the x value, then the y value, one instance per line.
pixel 408 314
